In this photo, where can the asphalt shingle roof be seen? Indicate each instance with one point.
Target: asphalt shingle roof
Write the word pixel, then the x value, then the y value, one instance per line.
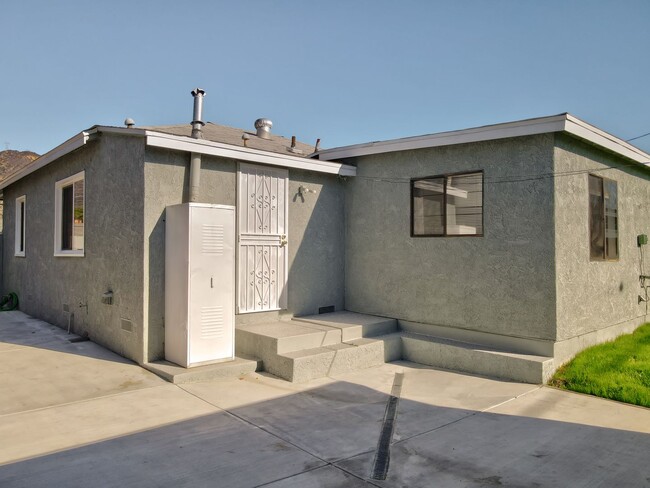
pixel 233 136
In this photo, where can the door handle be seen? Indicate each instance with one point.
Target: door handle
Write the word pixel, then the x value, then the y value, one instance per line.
pixel 283 240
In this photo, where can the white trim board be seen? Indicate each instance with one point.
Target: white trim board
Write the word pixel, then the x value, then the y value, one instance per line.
pixel 542 125
pixel 201 146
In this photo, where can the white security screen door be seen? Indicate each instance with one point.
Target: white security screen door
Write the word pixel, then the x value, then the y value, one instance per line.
pixel 262 208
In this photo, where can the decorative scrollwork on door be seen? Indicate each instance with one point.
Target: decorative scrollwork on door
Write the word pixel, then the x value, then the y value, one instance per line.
pixel 262 227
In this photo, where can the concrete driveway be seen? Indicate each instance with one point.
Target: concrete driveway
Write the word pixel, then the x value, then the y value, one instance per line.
pixel 76 415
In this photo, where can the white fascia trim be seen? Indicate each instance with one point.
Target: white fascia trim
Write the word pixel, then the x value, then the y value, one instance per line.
pixel 201 146
pixel 590 133
pixel 486 133
pixel 67 147
pixel 123 131
pixel 556 123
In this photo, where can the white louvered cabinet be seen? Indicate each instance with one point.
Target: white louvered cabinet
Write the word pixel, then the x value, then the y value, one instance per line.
pixel 199 283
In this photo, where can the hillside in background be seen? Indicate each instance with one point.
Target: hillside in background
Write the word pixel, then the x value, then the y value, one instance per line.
pixel 11 161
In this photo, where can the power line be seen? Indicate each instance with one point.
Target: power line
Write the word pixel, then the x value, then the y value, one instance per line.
pixel 637 137
pixel 504 179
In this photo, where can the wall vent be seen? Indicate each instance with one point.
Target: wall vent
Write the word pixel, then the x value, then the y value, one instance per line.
pixel 127 325
pixel 328 309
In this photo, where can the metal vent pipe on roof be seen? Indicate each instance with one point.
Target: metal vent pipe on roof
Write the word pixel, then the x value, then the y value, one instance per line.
pixel 263 127
pixel 197 118
pixel 197 133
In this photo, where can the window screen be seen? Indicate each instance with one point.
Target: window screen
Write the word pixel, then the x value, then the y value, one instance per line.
pixel 22 226
pixel 603 219
pixel 19 242
pixel 72 216
pixel 66 218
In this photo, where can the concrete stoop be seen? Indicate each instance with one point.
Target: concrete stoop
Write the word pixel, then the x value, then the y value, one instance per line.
pixel 312 347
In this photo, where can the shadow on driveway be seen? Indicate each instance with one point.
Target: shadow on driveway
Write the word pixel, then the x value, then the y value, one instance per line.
pixel 326 437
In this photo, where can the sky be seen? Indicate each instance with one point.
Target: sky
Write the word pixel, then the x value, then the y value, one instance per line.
pixel 347 72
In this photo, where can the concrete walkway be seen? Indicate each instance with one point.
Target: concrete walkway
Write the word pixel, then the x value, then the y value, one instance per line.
pixel 76 415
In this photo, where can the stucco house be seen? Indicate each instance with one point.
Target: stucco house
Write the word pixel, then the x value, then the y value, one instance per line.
pixel 500 250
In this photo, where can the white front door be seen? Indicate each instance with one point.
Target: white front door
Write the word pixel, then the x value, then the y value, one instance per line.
pixel 262 217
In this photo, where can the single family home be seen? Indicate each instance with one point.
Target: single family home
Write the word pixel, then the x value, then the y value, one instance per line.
pixel 500 250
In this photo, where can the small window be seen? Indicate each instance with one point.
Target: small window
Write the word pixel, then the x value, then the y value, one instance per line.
pixel 70 216
pixel 447 205
pixel 603 219
pixel 19 249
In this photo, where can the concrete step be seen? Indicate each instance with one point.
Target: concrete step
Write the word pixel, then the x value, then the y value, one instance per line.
pixel 320 345
pixel 475 358
pixel 308 364
pixel 352 325
pixel 227 369
pixel 282 337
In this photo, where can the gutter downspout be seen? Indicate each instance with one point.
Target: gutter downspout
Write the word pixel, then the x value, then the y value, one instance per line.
pixel 197 133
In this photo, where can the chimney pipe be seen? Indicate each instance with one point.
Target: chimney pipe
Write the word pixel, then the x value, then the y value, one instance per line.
pixel 197 133
pixel 197 118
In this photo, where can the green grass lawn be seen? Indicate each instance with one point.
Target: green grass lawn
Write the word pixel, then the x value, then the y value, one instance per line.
pixel 618 370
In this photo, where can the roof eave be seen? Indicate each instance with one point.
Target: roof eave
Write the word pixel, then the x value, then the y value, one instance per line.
pixel 556 123
pixel 61 150
pixel 181 143
pixel 539 125
pixel 592 134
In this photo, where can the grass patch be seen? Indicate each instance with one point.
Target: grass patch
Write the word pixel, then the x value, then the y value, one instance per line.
pixel 618 370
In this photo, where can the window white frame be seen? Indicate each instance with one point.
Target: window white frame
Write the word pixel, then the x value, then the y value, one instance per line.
pixel 19 241
pixel 58 215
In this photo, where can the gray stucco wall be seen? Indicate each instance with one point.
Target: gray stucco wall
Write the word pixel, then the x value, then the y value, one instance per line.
pixel 316 232
pixel 503 282
pixel 316 243
pixel 113 245
pixel 593 295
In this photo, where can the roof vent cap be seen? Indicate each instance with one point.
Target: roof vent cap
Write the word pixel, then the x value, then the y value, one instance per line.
pixel 263 127
pixel 129 122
